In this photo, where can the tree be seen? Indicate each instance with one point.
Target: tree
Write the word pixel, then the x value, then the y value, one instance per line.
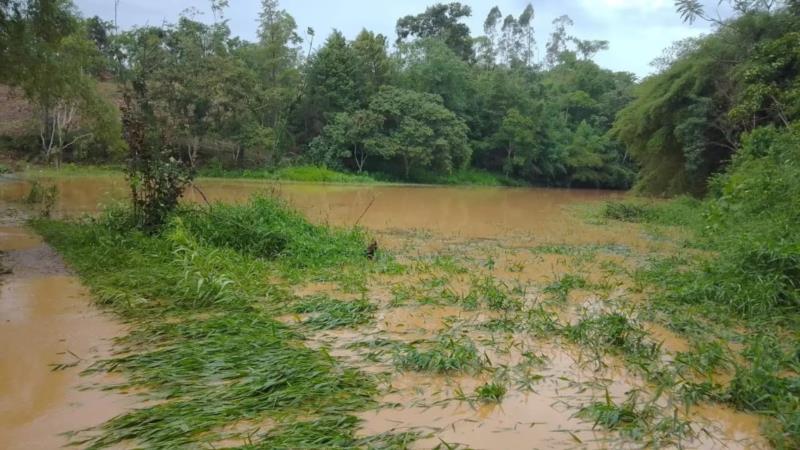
pixel 592 161
pixel 335 82
pixel 490 29
pixel 275 58
pixel 692 10
pixel 557 45
pixel 517 135
pixel 411 128
pixel 443 22
pixel 47 54
pixel 772 84
pixel 527 34
pixel 373 61
pixel 431 66
pixel 350 137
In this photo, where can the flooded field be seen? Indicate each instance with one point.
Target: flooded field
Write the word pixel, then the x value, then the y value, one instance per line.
pixel 494 335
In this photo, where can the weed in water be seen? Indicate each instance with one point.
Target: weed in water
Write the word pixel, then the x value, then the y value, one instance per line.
pixel 559 289
pixel 616 333
pixel 494 294
pixel 638 420
pixel 491 392
pixel 448 354
pixel 44 196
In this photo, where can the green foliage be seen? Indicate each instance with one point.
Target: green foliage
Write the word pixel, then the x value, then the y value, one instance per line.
pixel 267 228
pixel 750 224
pixel 329 313
pixel 404 126
pixel 448 354
pixel 686 121
pixel 491 392
pixel 301 173
pixel 319 175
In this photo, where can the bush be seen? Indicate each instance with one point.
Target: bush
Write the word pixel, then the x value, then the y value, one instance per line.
pixel 753 222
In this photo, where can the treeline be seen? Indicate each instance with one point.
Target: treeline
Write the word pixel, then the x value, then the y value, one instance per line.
pixel 435 100
pixel 427 103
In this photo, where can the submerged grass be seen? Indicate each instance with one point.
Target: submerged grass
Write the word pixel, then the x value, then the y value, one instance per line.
pixel 449 353
pixel 639 420
pixel 205 344
pixel 329 313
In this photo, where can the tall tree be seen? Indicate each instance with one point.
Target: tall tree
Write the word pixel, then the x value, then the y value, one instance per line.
pixel 527 33
pixel 443 22
pixel 335 82
pixel 559 38
pixel 373 60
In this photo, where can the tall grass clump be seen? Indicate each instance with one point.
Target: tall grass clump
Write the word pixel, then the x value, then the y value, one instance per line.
pixel 267 228
pixel 682 211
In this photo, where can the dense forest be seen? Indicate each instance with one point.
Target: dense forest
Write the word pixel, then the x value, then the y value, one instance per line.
pixel 440 101
pixel 434 101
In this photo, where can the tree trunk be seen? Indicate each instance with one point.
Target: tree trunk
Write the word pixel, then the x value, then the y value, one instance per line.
pixel 509 155
pixel 359 157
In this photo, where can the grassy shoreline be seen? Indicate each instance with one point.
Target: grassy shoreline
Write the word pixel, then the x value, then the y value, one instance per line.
pixel 299 174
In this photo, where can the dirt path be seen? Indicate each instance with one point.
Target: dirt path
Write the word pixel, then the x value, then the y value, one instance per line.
pixel 46 318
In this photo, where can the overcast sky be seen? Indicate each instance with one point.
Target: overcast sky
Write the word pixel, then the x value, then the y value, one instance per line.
pixel 638 30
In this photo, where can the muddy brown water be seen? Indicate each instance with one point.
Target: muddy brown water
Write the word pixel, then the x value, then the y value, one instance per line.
pixel 45 315
pixel 46 319
pixel 458 211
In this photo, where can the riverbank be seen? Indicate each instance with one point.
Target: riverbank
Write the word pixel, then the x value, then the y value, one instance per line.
pixel 302 174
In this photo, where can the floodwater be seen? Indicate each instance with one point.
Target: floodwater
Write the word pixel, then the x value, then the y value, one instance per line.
pixel 455 211
pixel 497 228
pixel 46 319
